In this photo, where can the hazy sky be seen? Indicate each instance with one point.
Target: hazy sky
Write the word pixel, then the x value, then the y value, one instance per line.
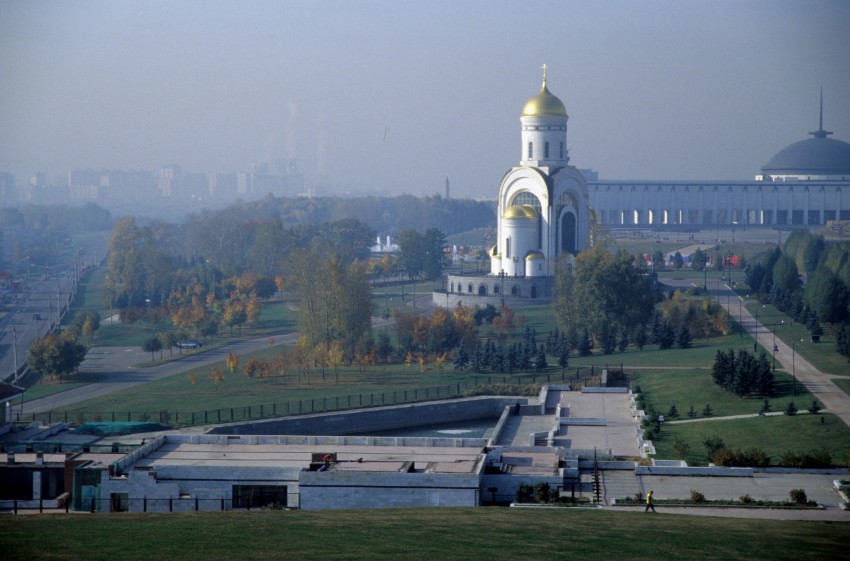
pixel 392 96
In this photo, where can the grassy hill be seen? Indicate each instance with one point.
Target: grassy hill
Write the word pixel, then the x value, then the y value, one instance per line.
pixel 413 534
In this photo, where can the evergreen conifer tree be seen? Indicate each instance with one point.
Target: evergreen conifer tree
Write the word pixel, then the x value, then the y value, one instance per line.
pixel 461 361
pixel 683 337
pixel 540 363
pixel 585 344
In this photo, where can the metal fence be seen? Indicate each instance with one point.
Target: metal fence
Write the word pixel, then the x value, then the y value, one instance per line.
pixel 141 504
pixel 574 375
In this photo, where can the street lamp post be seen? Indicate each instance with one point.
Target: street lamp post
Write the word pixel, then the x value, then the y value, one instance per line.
pixel 756 344
pixel 741 316
pixel 793 365
pixel 775 348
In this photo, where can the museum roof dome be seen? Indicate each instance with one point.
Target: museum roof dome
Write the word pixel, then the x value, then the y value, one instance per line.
pixel 813 156
pixel 818 155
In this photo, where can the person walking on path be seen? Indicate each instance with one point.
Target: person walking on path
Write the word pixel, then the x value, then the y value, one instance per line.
pixel 649 504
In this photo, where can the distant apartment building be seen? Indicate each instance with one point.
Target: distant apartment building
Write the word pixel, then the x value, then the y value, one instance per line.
pixel 8 193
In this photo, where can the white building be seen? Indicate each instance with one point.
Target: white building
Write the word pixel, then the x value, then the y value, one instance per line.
pixel 805 184
pixel 544 214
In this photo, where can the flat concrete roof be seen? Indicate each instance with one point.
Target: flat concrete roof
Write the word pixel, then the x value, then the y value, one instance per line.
pixel 531 463
pixel 619 434
pixel 617 430
pixel 298 456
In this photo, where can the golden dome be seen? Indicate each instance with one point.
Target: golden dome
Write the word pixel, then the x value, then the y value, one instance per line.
pixel 534 255
pixel 494 251
pixel 521 211
pixel 544 104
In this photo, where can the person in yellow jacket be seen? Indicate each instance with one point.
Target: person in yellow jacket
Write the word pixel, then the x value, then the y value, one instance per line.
pixel 649 504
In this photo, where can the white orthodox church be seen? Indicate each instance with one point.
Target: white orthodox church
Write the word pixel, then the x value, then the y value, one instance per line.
pixel 547 209
pixel 544 216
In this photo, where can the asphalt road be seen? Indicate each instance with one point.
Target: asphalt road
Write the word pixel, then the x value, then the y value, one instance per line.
pixel 32 316
pixel 820 384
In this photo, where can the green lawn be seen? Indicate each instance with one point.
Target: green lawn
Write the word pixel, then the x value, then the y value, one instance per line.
pixel 417 534
pixel 843 383
pixel 178 393
pixel 822 355
pixel 770 434
pixel 683 388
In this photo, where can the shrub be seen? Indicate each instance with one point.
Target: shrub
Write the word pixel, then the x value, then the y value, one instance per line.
pixel 713 444
pixel 750 457
pixel 707 411
pixel 541 492
pixel 798 496
pixel 746 499
pixel 697 497
pixel 815 408
pixel 681 447
pixel 524 493
pixel 791 410
pixel 813 459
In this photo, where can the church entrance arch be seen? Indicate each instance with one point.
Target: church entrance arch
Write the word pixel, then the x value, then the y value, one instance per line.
pixel 568 232
pixel 482 290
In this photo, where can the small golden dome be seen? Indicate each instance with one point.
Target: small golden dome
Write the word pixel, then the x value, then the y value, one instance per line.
pixel 534 256
pixel 544 104
pixel 494 251
pixel 521 211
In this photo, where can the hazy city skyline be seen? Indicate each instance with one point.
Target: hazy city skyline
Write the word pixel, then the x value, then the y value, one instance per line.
pixel 394 97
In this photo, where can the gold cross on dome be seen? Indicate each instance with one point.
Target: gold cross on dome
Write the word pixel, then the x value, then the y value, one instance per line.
pixel 544 67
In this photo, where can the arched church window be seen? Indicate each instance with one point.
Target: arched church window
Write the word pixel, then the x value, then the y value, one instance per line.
pixel 526 198
pixel 482 290
pixel 530 150
pixel 508 248
pixel 452 288
pixel 567 199
pixel 546 150
pixel 495 289
pixel 469 288
pixel 514 290
pixel 562 151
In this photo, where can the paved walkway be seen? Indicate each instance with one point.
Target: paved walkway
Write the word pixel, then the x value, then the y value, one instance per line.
pixel 728 417
pixel 618 484
pixel 833 399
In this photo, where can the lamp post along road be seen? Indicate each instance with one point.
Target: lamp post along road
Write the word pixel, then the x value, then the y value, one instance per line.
pixel 775 348
pixel 794 365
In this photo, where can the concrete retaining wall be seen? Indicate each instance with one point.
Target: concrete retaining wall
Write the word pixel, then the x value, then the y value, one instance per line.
pixel 691 471
pixel 335 490
pixel 375 419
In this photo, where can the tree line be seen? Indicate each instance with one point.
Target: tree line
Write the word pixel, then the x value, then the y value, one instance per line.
pixel 808 279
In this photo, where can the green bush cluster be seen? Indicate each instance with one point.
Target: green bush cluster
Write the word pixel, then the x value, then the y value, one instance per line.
pixel 697 497
pixel 813 459
pixel 749 457
pixel 798 496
